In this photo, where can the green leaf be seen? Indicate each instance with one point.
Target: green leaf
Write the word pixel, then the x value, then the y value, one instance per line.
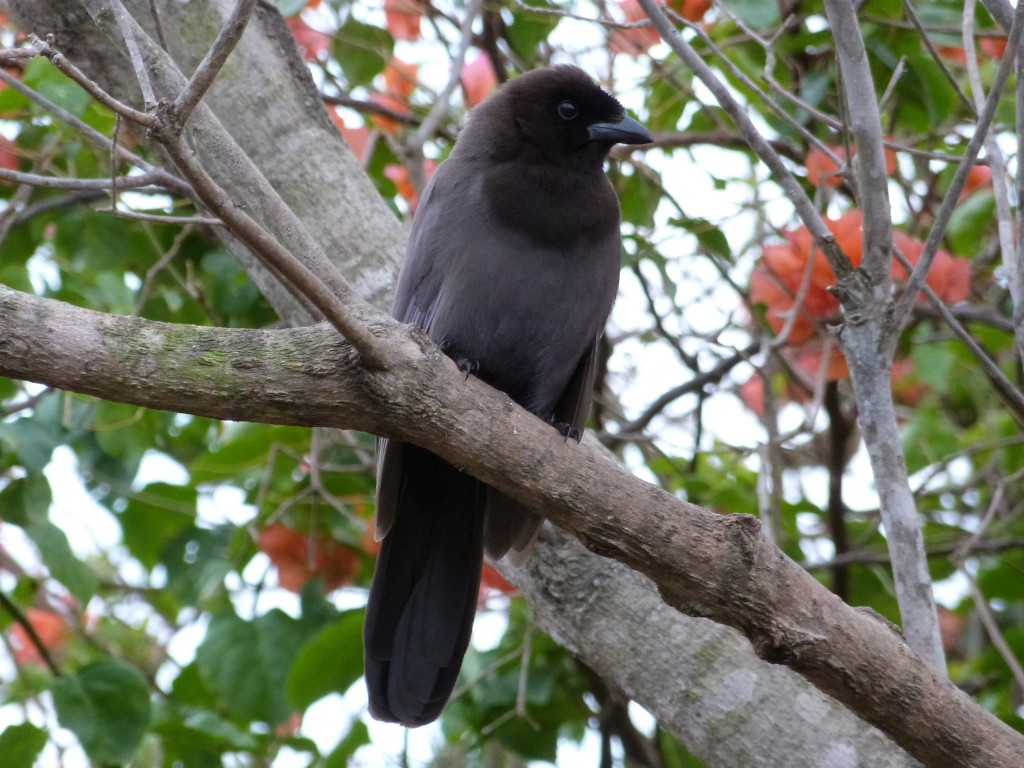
pixel 64 566
pixel 665 105
pixel 971 221
pixel 107 706
pixel 123 431
pixel 708 235
pixel 154 517
pixel 1001 579
pixel 330 662
pixel 754 13
pixel 247 663
pixel 50 82
pixel 26 500
pixel 31 443
pixel 927 100
pixel 639 197
pixel 362 50
pixel 21 744
pixel 528 30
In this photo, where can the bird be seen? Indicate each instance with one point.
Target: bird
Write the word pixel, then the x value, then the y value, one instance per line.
pixel 512 268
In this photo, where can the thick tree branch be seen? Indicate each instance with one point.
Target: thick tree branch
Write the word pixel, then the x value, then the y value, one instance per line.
pixel 704 564
pixel 602 611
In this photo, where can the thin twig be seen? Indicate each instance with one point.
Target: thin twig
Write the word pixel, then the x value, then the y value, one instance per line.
pixel 838 260
pixel 19 616
pixel 938 230
pixel 433 119
pixel 158 24
pixel 167 180
pixel 53 182
pixel 45 48
pixel 908 8
pixel 134 53
pixel 212 63
pixel 162 218
pixel 1004 216
pixel 276 255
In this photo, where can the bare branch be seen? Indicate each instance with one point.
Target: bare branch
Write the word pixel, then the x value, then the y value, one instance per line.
pixel 45 48
pixel 212 63
pixel 706 564
pixel 838 260
pixel 868 342
pixel 938 230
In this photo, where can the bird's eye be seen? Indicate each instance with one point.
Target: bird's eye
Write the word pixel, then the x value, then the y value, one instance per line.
pixel 567 110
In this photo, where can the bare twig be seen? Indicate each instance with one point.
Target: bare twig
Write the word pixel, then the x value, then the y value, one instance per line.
pixel 19 616
pixel 433 119
pixel 988 620
pixel 124 24
pixel 908 8
pixel 162 218
pixel 167 180
pixel 53 182
pixel 45 48
pixel 826 241
pixel 1004 216
pixel 211 64
pixel 274 254
pixel 938 230
pixel 1010 393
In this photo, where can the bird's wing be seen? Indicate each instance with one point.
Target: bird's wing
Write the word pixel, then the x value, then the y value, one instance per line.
pixel 512 528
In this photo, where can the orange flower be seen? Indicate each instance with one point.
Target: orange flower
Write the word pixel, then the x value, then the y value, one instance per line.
pixel 691 10
pixel 403 18
pixel 400 79
pixel 979 176
pixel 993 47
pixel 822 170
pixel 635 40
pixel 949 276
pixel 357 138
pixel 300 557
pixel 399 174
pixel 492 583
pixel 478 79
pixel 312 42
pixel 906 387
pixel 49 626
pixel 383 123
pixel 776 281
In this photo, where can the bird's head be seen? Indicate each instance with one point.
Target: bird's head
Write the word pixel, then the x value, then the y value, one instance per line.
pixel 559 112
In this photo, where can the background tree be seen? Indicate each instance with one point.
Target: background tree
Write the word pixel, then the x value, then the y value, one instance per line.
pixel 168 640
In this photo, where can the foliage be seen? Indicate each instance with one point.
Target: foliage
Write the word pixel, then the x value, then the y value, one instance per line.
pixel 218 600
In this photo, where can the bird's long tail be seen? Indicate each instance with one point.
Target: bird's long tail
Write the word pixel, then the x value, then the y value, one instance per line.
pixel 424 595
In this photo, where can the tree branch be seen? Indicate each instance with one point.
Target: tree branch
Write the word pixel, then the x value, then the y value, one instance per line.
pixel 868 343
pixel 704 564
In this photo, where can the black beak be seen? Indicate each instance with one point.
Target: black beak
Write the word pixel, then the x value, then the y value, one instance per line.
pixel 625 131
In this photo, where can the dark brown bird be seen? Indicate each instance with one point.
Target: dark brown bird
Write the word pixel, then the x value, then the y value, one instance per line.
pixel 512 268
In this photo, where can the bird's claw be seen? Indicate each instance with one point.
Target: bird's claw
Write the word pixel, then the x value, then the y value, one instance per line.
pixel 468 367
pixel 568 431
pixel 465 364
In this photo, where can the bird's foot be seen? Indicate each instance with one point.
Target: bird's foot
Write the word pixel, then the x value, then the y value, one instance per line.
pixel 568 431
pixel 466 365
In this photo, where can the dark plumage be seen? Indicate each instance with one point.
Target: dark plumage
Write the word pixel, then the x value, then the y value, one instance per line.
pixel 512 267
